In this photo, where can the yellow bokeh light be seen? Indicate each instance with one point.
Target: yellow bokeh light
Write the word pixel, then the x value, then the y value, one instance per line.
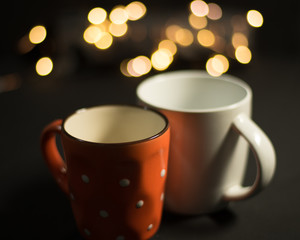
pixel 199 8
pixel 243 54
pixel 184 37
pixel 169 45
pixel 217 65
pixel 239 39
pixel 97 15
pixel 92 34
pixel 130 69
pixel 220 63
pixel 135 10
pixel 161 59
pixel 37 34
pixel 210 68
pixel 118 15
pixel 197 22
pixel 123 68
pixel 255 18
pixel 171 32
pixel 141 65
pixel 105 41
pixel 44 66
pixel 206 38
pixel 215 11
pixel 118 30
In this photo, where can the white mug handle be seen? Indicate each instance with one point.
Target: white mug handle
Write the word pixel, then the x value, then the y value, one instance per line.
pixel 264 154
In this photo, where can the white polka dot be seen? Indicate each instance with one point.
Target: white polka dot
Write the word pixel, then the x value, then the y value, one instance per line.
pixel 120 237
pixel 85 178
pixel 103 213
pixel 124 182
pixel 162 196
pixel 163 172
pixel 87 232
pixel 140 204
pixel 150 227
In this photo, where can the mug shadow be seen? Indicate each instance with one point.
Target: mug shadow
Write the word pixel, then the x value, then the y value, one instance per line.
pixel 175 226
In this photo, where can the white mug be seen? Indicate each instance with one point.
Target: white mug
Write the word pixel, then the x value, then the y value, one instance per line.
pixel 211 130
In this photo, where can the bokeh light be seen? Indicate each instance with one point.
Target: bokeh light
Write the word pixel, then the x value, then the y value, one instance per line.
pixel 105 41
pixel 243 54
pixel 239 39
pixel 215 11
pixel 169 45
pixel 97 15
pixel 184 37
pixel 217 65
pixel 44 66
pixel 161 59
pixel 135 10
pixel 197 22
pixel 118 15
pixel 255 18
pixel 206 37
pixel 92 34
pixel 199 8
pixel 171 32
pixel 37 34
pixel 118 30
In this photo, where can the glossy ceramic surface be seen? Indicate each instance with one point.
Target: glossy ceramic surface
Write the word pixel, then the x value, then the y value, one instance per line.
pixel 211 130
pixel 116 185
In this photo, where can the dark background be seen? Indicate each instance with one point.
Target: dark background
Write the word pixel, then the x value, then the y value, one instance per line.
pixel 32 206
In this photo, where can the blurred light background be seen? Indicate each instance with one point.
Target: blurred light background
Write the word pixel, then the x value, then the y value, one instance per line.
pixel 138 38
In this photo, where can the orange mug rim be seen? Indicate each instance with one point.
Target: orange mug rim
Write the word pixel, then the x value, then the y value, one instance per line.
pixel 166 127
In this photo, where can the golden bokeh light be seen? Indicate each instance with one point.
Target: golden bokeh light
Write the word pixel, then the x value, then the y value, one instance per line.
pixel 243 54
pixel 199 8
pixel 184 37
pixel 220 63
pixel 135 10
pixel 92 34
pixel 118 15
pixel 37 34
pixel 123 67
pixel 118 30
pixel 215 11
pixel 44 66
pixel 130 70
pixel 210 68
pixel 161 59
pixel 255 18
pixel 217 65
pixel 169 45
pixel 171 32
pixel 139 66
pixel 206 38
pixel 197 22
pixel 105 41
pixel 97 15
pixel 239 39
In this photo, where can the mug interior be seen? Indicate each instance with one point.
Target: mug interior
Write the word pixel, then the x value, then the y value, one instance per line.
pixel 191 91
pixel 115 124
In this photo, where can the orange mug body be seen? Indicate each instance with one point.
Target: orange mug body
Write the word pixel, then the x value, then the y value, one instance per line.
pixel 116 188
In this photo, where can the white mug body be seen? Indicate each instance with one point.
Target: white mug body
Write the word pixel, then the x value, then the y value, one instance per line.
pixel 208 156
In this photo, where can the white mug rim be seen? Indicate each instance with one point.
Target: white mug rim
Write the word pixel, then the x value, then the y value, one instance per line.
pixel 196 74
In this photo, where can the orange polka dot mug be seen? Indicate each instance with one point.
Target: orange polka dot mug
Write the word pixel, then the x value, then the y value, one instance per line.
pixel 114 170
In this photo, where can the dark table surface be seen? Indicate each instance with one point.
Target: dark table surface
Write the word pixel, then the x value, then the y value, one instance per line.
pixel 33 207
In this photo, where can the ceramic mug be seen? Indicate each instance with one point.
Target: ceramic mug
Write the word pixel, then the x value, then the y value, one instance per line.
pixel 114 170
pixel 211 129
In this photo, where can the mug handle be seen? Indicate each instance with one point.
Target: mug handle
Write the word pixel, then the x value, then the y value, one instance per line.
pixel 52 156
pixel 264 154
